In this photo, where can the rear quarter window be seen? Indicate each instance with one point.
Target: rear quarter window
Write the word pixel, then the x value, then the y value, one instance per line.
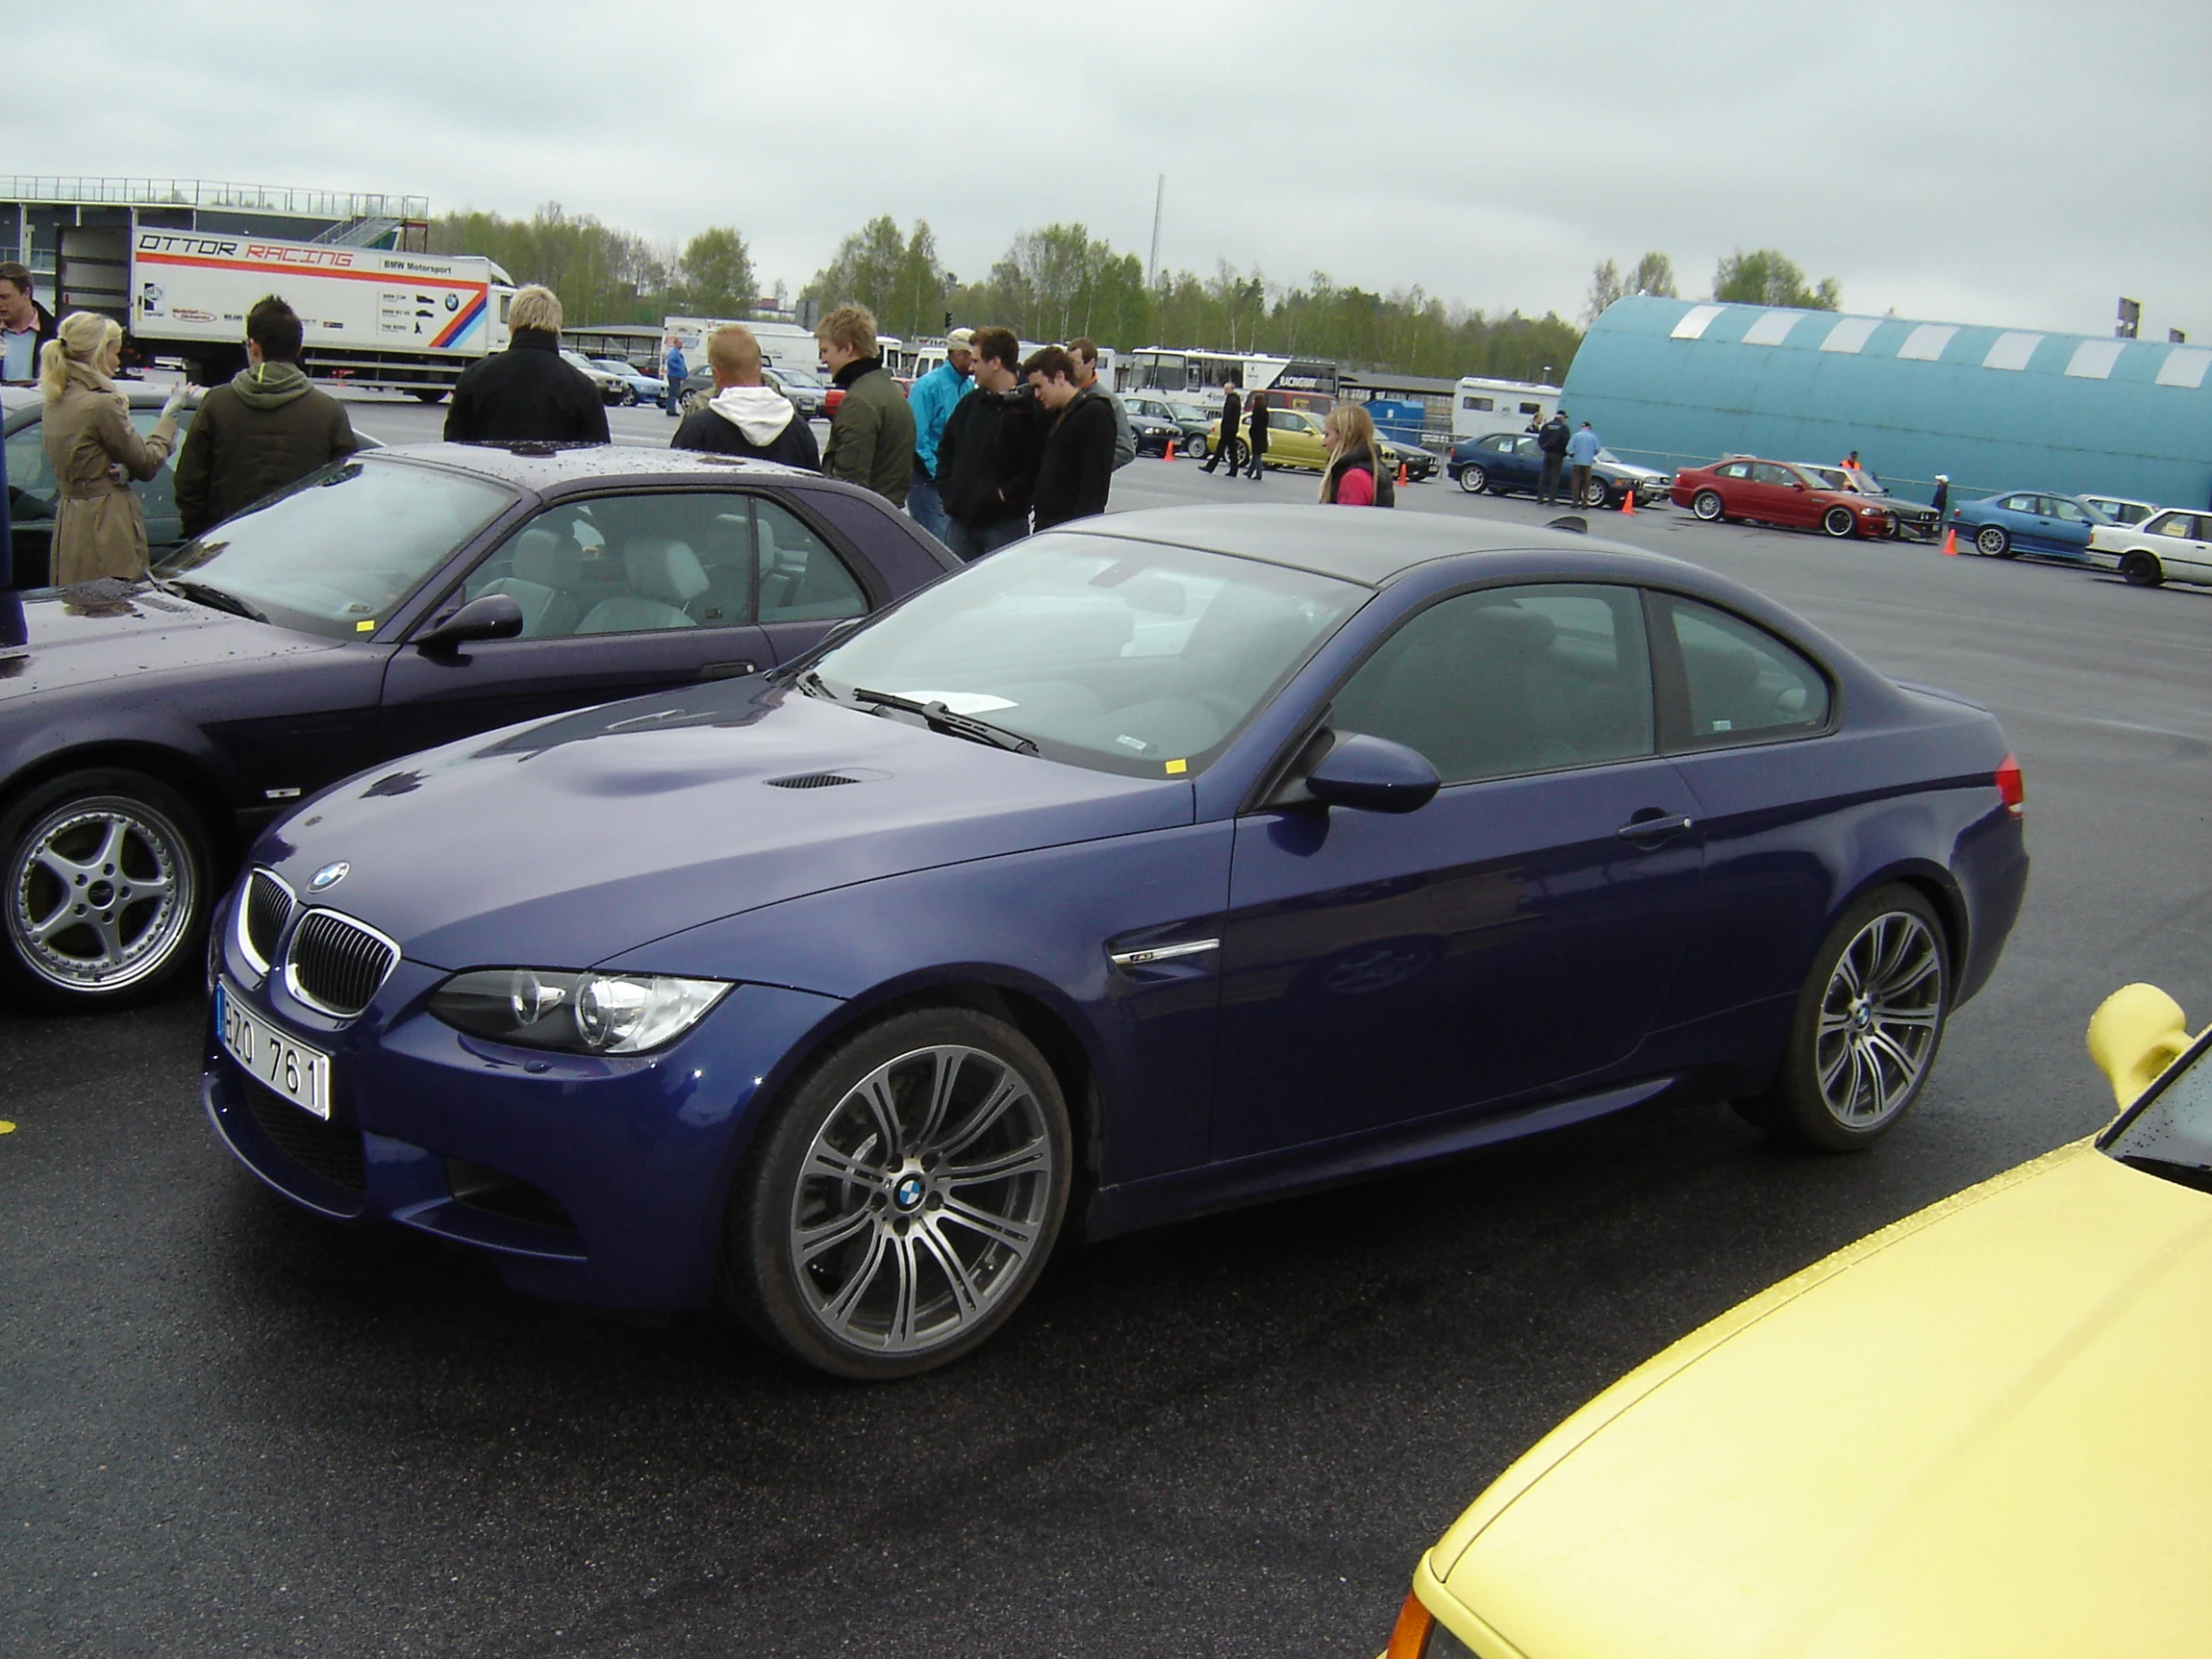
pixel 1733 682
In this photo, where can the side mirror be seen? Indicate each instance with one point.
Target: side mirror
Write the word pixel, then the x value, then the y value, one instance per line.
pixel 2135 1034
pixel 496 615
pixel 1373 775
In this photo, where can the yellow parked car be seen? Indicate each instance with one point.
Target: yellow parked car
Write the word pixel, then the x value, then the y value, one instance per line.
pixel 1984 1431
pixel 1295 439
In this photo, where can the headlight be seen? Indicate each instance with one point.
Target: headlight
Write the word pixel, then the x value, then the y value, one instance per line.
pixel 577 1013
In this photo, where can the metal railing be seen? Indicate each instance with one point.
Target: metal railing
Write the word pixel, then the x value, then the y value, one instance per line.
pixel 213 193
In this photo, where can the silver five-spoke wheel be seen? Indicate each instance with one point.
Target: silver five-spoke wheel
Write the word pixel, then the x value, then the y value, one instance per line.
pixel 1879 1020
pixel 908 1195
pixel 103 887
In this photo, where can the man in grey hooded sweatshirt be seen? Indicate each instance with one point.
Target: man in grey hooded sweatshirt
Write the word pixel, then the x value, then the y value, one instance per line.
pixel 264 430
pixel 745 416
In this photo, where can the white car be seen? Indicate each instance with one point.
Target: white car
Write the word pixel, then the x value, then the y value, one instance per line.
pixel 2172 545
pixel 2120 509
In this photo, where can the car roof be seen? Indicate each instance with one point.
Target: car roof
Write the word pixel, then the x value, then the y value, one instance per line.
pixel 1388 544
pixel 544 467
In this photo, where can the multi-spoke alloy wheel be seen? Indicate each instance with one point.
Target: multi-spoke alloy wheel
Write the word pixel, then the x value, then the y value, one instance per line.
pixel 907 1198
pixel 1868 1023
pixel 104 887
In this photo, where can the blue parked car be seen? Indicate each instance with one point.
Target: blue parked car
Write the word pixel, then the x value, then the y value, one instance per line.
pixel 2028 521
pixel 1149 866
pixel 1501 464
pixel 400 599
pixel 638 387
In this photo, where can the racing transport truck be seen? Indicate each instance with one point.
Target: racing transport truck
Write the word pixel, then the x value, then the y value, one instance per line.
pixel 372 317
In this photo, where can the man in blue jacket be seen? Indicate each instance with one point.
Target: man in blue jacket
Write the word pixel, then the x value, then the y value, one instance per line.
pixel 1583 452
pixel 932 398
pixel 672 370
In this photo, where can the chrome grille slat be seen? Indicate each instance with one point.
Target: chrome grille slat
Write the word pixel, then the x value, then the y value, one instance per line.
pixel 337 964
pixel 269 906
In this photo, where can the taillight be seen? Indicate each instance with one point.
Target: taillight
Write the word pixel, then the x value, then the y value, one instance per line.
pixel 2011 786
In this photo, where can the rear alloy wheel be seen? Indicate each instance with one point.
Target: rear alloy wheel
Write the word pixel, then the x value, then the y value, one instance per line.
pixel 1992 540
pixel 1596 495
pixel 1869 1021
pixel 105 889
pixel 1837 521
pixel 905 1199
pixel 2142 570
pixel 1474 480
pixel 1707 504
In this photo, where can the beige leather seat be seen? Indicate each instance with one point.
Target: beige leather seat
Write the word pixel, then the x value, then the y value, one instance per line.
pixel 665 576
pixel 547 568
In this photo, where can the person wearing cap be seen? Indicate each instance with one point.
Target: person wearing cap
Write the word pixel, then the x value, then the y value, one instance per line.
pixel 1942 496
pixel 933 397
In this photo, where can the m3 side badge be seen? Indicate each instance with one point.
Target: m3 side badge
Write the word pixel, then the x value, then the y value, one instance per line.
pixel 329 876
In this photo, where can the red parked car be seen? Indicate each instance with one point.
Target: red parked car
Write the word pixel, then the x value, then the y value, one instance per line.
pixel 1775 492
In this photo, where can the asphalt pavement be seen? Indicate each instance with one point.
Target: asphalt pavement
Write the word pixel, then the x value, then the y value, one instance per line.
pixel 231 1428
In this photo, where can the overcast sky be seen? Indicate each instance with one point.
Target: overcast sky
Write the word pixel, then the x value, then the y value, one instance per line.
pixel 2005 162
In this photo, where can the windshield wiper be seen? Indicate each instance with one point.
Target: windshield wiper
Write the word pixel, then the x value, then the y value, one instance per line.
pixel 213 596
pixel 939 718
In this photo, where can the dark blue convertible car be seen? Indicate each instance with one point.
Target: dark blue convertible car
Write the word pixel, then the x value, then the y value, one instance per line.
pixel 394 601
pixel 1147 867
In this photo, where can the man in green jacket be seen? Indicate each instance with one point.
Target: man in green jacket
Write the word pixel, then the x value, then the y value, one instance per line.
pixel 872 434
pixel 264 430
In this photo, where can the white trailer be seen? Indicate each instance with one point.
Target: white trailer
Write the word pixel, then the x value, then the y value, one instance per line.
pixel 782 344
pixel 1481 407
pixel 372 317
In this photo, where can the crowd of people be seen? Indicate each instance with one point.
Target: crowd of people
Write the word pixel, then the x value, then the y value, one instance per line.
pixel 987 447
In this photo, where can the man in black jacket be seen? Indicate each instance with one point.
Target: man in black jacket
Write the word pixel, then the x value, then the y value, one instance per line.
pixel 268 428
pixel 745 415
pixel 1232 407
pixel 1077 468
pixel 987 454
pixel 1551 439
pixel 527 392
pixel 1256 428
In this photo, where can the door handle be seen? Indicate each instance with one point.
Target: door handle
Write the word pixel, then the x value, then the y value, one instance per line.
pixel 737 670
pixel 1651 829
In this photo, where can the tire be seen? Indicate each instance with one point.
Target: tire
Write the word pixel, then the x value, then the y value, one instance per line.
pixel 872 1266
pixel 1838 522
pixel 1869 1025
pixel 1473 480
pixel 1707 505
pixel 2142 570
pixel 104 887
pixel 1597 497
pixel 629 396
pixel 430 395
pixel 1992 540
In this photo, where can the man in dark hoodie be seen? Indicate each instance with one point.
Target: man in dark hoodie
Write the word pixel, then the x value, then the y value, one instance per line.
pixel 527 392
pixel 1077 468
pixel 265 429
pixel 745 415
pixel 987 453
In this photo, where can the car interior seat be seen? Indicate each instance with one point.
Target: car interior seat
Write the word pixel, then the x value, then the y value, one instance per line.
pixel 803 580
pixel 665 576
pixel 547 568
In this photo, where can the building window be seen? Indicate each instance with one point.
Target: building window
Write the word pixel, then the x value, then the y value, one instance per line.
pixel 2012 350
pixel 1850 335
pixel 1926 343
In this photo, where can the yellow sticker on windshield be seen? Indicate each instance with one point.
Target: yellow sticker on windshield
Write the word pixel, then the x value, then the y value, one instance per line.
pixel 1175 766
pixel 368 627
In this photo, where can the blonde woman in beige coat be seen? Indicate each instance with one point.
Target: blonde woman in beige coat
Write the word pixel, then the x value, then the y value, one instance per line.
pixel 99 528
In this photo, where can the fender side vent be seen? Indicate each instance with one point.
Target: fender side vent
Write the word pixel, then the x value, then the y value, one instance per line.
pixel 812 781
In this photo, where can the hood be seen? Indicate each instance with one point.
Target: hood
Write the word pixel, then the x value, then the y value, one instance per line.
pixel 564 843
pixel 270 385
pixel 1979 1430
pixel 760 412
pixel 109 630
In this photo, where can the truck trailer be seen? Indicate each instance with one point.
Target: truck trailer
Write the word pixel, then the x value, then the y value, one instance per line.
pixel 372 316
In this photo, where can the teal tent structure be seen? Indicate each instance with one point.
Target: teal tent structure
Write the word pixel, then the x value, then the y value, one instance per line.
pixel 1676 382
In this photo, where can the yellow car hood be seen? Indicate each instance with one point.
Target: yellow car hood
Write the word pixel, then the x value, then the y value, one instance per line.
pixel 1987 1430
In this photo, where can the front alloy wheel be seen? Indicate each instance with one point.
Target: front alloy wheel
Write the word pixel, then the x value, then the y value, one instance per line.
pixel 1837 521
pixel 1868 1024
pixel 106 886
pixel 906 1199
pixel 1473 480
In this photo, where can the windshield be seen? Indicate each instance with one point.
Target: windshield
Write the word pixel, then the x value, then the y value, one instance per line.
pixel 337 552
pixel 792 375
pixel 1117 655
pixel 2170 1134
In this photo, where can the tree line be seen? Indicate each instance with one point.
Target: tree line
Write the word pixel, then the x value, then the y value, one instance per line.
pixel 1057 281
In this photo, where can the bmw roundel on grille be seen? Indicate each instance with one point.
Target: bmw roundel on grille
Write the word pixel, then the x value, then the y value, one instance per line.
pixel 329 876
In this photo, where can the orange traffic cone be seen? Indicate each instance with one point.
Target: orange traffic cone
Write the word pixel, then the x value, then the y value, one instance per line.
pixel 1402 479
pixel 1169 455
pixel 1628 500
pixel 1950 544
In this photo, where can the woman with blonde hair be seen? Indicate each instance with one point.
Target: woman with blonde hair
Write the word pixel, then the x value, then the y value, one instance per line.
pixel 99 528
pixel 1353 475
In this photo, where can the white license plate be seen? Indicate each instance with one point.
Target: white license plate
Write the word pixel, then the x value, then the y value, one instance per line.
pixel 300 1073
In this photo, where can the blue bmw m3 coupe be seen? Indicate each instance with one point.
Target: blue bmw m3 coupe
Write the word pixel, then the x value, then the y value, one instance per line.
pixel 1161 862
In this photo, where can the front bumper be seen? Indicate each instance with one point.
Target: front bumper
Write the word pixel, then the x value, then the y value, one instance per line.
pixel 588 1179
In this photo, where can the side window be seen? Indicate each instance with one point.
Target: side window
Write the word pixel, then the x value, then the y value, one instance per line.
pixel 1286 420
pixel 1734 469
pixel 158 495
pixel 2069 511
pixel 801 579
pixel 1765 472
pixel 1510 680
pixel 1480 404
pixel 1500 443
pixel 1528 449
pixel 27 472
pixel 1740 683
pixel 627 564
